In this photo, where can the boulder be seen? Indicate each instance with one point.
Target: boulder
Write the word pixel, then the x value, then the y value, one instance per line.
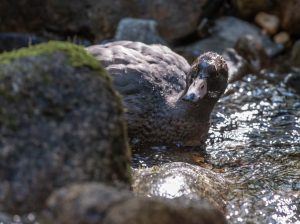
pixel 289 15
pixel 92 203
pixel 141 30
pixel 224 34
pixel 98 19
pixel 61 122
pixel 246 8
pixel 179 179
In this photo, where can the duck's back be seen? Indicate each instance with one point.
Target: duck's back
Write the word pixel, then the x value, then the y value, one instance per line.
pixel 140 69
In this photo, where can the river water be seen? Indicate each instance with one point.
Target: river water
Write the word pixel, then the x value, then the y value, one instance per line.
pixel 254 140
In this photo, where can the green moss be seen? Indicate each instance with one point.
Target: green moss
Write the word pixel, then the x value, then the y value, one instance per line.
pixel 78 56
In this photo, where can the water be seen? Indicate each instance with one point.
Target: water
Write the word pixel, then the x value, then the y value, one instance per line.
pixel 255 140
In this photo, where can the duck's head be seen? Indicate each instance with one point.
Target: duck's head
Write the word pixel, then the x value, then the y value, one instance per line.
pixel 207 78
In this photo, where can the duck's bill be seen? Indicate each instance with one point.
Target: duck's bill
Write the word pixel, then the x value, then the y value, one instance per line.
pixel 196 91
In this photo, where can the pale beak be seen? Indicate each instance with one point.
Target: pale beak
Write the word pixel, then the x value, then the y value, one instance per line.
pixel 196 91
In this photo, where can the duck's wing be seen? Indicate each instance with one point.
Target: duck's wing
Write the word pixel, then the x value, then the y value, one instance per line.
pixel 130 62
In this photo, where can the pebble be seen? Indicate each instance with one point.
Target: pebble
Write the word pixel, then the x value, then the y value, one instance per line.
pixel 270 23
pixel 282 38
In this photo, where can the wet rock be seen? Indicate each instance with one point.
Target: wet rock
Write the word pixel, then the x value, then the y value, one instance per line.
pixel 292 80
pixel 96 203
pixel 238 67
pixel 60 122
pixel 225 34
pixel 248 8
pixel 289 15
pixel 295 55
pixel 11 41
pixel 141 30
pixel 253 51
pixel 5 219
pixel 282 38
pixel 270 23
pixel 178 179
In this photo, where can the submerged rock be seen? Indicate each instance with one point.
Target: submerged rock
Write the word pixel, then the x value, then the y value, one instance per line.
pixel 60 122
pixel 178 179
pixel 96 203
pixel 142 30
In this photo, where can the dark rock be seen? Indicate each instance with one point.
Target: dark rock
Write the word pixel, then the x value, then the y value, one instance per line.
pixel 295 55
pixel 12 41
pixel 168 101
pixel 95 203
pixel 177 179
pixel 238 66
pixel 248 8
pixel 289 15
pixel 89 19
pixel 98 19
pixel 60 122
pixel 141 30
pixel 292 80
pixel 175 19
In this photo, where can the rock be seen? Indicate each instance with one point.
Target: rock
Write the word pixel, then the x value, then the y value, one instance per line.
pixel 12 41
pixel 248 8
pixel 253 51
pixel 5 219
pixel 175 19
pixel 225 34
pixel 93 19
pixel 292 80
pixel 178 179
pixel 295 55
pixel 282 38
pixel 289 15
pixel 270 23
pixel 238 67
pixel 61 122
pixel 98 19
pixel 141 30
pixel 95 203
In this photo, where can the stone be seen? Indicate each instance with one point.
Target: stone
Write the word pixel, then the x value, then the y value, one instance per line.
pixel 269 23
pixel 289 15
pixel 179 179
pixel 224 34
pixel 176 19
pixel 295 54
pixel 12 41
pixel 248 8
pixel 97 20
pixel 61 122
pixel 238 66
pixel 142 30
pixel 90 203
pixel 282 38
pixel 292 80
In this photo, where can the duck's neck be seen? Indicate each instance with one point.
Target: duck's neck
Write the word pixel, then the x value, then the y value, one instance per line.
pixel 198 112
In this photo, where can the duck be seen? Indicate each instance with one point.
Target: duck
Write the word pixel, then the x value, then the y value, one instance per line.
pixel 168 102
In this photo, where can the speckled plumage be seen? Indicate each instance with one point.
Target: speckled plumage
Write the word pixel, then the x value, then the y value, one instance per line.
pixel 152 80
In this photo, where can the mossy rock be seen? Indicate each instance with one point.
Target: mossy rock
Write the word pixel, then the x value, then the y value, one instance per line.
pixel 61 122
